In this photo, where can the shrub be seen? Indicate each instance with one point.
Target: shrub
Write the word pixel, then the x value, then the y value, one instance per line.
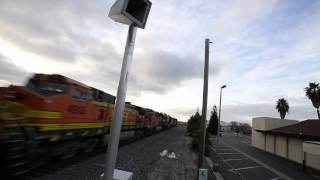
pixel 193 130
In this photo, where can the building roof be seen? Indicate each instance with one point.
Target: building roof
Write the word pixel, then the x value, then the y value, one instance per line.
pixel 307 130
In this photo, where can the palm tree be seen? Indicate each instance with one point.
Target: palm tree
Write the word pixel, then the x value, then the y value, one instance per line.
pixel 282 107
pixel 313 93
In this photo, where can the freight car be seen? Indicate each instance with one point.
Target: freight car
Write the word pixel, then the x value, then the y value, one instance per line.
pixel 54 115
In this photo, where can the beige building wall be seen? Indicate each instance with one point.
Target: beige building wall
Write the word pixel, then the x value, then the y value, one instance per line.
pixel 313 160
pixel 281 146
pixel 266 123
pixel 258 140
pixel 295 150
pixel 278 144
pixel 270 143
pixel 312 150
pixel 312 147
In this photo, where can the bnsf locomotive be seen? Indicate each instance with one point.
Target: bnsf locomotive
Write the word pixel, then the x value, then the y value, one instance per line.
pixel 56 116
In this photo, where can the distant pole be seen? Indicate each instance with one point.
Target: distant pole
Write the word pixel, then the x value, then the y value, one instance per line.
pixel 120 105
pixel 204 104
pixel 218 130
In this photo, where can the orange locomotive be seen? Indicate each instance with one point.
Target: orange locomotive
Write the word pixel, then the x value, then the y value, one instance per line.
pixel 53 114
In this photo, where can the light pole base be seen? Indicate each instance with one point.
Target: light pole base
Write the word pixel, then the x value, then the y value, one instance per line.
pixel 119 175
pixel 203 174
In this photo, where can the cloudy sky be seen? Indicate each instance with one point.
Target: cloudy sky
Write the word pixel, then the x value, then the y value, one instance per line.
pixel 262 50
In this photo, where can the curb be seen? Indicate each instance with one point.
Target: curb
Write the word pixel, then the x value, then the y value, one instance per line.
pixel 214 169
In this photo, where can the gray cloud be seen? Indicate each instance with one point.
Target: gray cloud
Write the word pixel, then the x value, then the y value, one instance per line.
pixel 245 112
pixel 10 72
pixel 57 30
pixel 184 113
pixel 61 31
pixel 28 28
pixel 169 52
pixel 159 71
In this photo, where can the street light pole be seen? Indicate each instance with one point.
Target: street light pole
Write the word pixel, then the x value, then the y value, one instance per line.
pixel 204 105
pixel 218 130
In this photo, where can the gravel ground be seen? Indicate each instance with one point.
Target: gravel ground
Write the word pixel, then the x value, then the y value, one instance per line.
pixel 140 157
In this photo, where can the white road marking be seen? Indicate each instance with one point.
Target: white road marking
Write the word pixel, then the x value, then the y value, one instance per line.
pixel 228 153
pixel 217 146
pixel 225 149
pixel 246 142
pixel 231 167
pixel 276 178
pixel 249 167
pixel 221 149
pixel 239 159
pixel 282 175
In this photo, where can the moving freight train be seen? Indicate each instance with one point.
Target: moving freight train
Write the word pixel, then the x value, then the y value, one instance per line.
pixel 56 116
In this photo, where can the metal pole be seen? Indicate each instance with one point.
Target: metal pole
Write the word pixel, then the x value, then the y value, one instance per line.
pixel 204 105
pixel 120 105
pixel 218 130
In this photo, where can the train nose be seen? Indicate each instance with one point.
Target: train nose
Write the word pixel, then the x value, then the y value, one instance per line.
pixel 12 111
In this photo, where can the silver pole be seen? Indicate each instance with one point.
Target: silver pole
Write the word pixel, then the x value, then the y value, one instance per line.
pixel 204 105
pixel 120 105
pixel 218 130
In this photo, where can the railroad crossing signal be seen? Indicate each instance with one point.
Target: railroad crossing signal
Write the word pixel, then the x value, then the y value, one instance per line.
pixel 130 12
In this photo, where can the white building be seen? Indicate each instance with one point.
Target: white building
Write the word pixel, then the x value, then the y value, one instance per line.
pixel 294 140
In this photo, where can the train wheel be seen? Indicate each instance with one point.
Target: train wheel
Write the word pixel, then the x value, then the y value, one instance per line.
pixel 104 139
pixel 16 160
pixel 139 133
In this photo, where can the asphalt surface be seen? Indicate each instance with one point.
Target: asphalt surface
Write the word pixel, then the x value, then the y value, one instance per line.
pixel 140 157
pixel 237 159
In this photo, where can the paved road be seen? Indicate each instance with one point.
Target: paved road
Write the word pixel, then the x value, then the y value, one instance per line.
pixel 236 155
pixel 140 157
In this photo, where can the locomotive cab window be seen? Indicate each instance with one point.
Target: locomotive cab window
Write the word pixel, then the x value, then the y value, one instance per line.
pixel 81 94
pixel 47 88
pixel 101 96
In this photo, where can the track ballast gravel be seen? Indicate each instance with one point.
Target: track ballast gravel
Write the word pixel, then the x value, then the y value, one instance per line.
pixel 140 157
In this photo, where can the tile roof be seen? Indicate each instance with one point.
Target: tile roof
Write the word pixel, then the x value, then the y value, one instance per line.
pixel 308 130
